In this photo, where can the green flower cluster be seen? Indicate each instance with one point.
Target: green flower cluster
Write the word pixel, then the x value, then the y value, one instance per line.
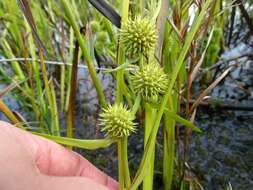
pixel 150 81
pixel 139 36
pixel 117 121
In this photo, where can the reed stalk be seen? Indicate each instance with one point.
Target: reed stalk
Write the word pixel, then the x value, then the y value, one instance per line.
pixel 8 113
pixel 54 114
pixel 82 42
pixel 123 167
pixel 150 116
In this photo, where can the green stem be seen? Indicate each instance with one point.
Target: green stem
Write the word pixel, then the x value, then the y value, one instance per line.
pixel 82 42
pixel 121 54
pixel 20 75
pixel 69 70
pixel 38 82
pixel 124 174
pixel 125 163
pixel 48 93
pixel 168 159
pixel 150 115
pixel 62 86
pixel 56 129
pixel 120 166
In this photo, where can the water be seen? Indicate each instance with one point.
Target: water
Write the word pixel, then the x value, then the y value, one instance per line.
pixel 224 152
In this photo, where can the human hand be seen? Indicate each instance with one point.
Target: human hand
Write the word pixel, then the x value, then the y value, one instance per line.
pixel 29 162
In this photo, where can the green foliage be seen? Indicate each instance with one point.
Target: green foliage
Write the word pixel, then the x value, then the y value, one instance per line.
pixel 147 80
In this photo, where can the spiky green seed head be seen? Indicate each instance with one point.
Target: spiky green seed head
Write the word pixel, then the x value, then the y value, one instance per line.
pixel 95 26
pixel 139 36
pixel 150 81
pixel 117 121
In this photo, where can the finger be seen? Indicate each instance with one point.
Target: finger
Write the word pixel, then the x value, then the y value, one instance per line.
pixel 69 183
pixel 53 159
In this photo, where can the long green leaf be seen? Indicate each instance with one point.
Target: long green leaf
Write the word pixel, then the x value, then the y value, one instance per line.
pixel 180 120
pixel 84 144
pixel 183 121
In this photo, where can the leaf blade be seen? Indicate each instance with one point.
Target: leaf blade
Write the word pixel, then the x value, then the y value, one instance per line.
pixel 84 144
pixel 106 10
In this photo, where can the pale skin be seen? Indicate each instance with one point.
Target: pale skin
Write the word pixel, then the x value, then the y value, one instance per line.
pixel 30 162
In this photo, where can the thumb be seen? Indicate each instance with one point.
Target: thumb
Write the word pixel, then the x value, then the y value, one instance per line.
pixel 69 183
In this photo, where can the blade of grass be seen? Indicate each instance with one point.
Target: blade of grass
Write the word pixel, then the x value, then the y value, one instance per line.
pixel 180 120
pixel 63 70
pixel 121 54
pixel 169 151
pixel 84 144
pixel 150 115
pixel 24 5
pixel 56 127
pixel 73 90
pixel 36 74
pixel 69 71
pixel 8 113
pixel 183 121
pixel 48 91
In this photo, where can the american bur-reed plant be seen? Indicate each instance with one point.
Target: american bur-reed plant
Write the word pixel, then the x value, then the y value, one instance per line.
pixel 154 51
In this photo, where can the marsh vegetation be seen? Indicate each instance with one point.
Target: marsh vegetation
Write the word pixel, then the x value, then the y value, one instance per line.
pixel 144 89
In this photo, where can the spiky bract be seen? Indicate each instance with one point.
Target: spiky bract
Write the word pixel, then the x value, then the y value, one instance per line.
pixel 150 81
pixel 139 36
pixel 117 121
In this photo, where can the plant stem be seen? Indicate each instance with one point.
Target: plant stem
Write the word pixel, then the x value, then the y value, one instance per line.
pixel 84 48
pixel 73 89
pixel 124 174
pixel 168 159
pixel 150 115
pixel 8 113
pixel 71 52
pixel 125 163
pixel 120 166
pixel 48 93
pixel 62 83
pixel 123 168
pixel 38 82
pixel 121 54
pixel 55 117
